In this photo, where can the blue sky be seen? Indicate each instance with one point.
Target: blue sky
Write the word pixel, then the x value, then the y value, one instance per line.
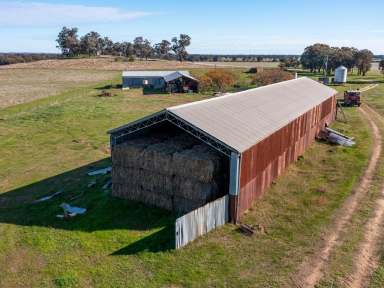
pixel 224 27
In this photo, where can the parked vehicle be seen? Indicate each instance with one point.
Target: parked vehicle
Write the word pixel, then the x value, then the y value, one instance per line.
pixel 352 98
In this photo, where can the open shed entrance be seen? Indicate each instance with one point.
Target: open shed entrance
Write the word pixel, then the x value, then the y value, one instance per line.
pixel 164 166
pixel 182 85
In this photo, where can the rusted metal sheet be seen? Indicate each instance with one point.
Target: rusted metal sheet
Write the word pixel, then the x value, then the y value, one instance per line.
pixel 201 221
pixel 266 160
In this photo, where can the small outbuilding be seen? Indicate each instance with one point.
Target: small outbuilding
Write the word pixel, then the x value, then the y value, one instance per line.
pixel 160 81
pixel 185 156
pixel 341 73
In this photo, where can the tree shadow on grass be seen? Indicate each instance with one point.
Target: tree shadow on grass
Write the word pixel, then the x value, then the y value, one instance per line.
pixel 110 86
pixel 368 81
pixel 104 212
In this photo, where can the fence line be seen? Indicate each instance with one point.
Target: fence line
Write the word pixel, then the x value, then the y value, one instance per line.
pixel 201 221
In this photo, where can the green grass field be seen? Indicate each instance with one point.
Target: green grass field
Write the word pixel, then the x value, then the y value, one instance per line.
pixel 50 144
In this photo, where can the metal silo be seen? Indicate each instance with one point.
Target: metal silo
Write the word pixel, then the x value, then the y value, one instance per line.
pixel 341 74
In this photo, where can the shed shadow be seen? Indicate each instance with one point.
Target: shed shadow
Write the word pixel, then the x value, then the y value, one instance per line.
pixel 104 212
pixel 160 241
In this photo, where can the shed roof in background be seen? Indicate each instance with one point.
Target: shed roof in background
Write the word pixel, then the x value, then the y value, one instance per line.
pixel 240 120
pixel 153 73
pixel 178 74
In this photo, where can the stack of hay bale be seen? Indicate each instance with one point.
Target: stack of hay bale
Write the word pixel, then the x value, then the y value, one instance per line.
pixel 175 173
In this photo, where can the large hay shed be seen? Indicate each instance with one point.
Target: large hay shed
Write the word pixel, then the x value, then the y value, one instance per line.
pixel 255 134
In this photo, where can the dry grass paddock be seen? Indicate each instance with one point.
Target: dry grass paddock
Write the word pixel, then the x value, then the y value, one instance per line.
pixel 27 84
pixel 105 63
pixel 109 63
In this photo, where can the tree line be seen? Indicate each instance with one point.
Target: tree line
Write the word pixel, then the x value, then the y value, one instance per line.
pixel 238 57
pixel 92 43
pixel 13 58
pixel 318 57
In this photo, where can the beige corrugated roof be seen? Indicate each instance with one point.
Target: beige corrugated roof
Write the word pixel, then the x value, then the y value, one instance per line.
pixel 152 73
pixel 242 119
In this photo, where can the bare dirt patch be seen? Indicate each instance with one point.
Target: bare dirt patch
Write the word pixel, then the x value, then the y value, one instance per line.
pixel 311 271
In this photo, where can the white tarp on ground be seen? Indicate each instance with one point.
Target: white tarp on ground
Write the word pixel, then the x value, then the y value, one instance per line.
pixel 201 221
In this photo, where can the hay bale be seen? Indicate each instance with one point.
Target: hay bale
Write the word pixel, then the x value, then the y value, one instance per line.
pixel 176 173
pixel 166 184
pixel 123 175
pixel 131 176
pixel 129 154
pixel 199 162
pixel 137 193
pixel 159 156
pixel 191 189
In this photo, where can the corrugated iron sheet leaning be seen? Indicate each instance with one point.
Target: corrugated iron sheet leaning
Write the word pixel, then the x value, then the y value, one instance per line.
pixel 261 130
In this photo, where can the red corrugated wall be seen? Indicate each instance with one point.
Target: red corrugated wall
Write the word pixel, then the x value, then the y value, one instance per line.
pixel 266 160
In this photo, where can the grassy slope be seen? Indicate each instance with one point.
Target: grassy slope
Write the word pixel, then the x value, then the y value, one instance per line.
pixel 51 143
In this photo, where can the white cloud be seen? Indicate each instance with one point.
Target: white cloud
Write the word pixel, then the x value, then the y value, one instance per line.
pixel 44 14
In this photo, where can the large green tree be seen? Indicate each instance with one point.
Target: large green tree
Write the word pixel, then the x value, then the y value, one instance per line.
pixel 68 41
pixel 106 45
pixel 363 60
pixel 127 49
pixel 348 57
pixel 180 45
pixel 163 48
pixel 147 49
pixel 314 56
pixel 90 43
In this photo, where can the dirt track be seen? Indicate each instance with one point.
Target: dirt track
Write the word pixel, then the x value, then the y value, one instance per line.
pixel 366 258
pixel 311 271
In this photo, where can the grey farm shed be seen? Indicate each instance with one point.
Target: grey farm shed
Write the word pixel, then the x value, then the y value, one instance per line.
pixel 165 81
pixel 234 144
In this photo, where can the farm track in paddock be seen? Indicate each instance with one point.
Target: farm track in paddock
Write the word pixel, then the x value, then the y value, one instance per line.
pixel 367 256
pixel 312 270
